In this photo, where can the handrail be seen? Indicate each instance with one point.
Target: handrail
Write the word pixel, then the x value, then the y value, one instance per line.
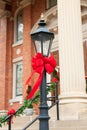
pixel 55 103
pixel 8 117
pixel 30 123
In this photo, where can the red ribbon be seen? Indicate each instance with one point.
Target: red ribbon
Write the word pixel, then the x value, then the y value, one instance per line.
pixel 54 79
pixel 39 63
pixel 11 112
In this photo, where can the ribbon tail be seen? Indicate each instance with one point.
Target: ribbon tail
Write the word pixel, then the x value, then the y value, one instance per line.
pixel 12 120
pixel 29 78
pixel 35 87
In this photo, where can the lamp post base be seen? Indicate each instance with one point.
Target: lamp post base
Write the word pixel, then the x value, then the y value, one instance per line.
pixel 44 118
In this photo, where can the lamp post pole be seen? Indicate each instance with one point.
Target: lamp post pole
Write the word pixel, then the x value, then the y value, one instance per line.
pixel 43 117
pixel 42 41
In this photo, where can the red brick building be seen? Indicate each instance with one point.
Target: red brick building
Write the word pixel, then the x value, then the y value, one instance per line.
pixel 18 18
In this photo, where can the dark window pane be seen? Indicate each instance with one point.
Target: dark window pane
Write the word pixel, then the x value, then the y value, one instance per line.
pixel 19 71
pixel 51 3
pixel 19 26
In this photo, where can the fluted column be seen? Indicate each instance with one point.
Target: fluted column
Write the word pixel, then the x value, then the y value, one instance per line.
pixel 72 81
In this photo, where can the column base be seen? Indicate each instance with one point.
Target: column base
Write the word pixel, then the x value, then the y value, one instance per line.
pixel 72 107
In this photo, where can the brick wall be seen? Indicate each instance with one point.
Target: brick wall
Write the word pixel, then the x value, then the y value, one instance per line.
pixel 3 30
pixel 31 13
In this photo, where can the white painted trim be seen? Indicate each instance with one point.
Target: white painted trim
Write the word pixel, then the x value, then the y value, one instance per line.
pixel 3 112
pixel 84 3
pixel 16 99
pixel 17 59
pixel 25 3
pixel 84 40
pixel 84 31
pixel 17 43
pixel 84 27
pixel 46 14
pixel 84 13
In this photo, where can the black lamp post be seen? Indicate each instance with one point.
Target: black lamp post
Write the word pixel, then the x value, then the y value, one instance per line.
pixel 43 40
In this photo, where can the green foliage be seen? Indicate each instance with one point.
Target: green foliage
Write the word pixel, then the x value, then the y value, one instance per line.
pixel 54 74
pixel 2 118
pixel 28 103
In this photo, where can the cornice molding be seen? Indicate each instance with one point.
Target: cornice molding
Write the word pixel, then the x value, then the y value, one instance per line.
pixel 2 5
pixel 49 15
pixel 24 3
pixel 3 11
pixel 5 14
pixel 84 3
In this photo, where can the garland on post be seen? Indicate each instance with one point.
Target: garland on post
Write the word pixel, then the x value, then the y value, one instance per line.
pixel 38 63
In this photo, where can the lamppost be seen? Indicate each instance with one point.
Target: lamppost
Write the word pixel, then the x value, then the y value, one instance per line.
pixel 42 41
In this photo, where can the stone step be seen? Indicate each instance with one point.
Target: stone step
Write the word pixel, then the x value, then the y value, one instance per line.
pixel 54 125
pixel 20 122
pixel 65 125
pixel 58 128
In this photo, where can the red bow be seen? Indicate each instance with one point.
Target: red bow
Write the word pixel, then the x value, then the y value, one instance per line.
pixel 54 80
pixel 39 63
pixel 11 112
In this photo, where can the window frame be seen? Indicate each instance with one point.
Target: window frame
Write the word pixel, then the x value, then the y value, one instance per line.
pixel 15 79
pixel 14 97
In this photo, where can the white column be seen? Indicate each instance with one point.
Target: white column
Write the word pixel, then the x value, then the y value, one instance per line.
pixel 72 79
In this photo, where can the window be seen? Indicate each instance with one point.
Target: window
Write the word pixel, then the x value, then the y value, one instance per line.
pixel 19 26
pixel 19 71
pixel 51 3
pixel 17 79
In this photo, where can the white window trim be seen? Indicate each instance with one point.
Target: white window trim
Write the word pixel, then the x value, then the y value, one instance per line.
pixel 17 99
pixel 17 59
pixel 14 97
pixel 17 43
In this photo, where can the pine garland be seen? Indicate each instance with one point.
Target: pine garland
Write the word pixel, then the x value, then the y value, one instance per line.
pixel 28 103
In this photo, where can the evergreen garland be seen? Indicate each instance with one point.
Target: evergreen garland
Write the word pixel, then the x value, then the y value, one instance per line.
pixel 28 103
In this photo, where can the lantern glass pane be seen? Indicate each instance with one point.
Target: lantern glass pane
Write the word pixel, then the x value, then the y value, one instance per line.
pixel 42 42
pixel 38 46
pixel 46 45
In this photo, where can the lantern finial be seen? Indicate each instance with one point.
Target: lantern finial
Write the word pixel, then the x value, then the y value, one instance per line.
pixel 42 16
pixel 42 21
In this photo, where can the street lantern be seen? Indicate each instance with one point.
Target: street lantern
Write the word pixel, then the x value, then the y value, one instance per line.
pixel 42 39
